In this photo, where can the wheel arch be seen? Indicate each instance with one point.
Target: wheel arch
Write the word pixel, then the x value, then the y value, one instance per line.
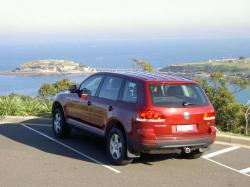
pixel 114 122
pixel 56 105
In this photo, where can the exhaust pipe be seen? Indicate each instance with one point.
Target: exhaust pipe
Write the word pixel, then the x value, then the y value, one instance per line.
pixel 187 150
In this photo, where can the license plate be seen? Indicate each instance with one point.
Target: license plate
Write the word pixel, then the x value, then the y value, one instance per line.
pixel 184 128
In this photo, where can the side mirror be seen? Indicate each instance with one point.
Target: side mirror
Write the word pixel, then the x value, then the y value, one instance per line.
pixel 83 94
pixel 86 91
pixel 73 89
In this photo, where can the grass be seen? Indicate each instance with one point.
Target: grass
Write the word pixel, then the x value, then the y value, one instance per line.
pixel 18 105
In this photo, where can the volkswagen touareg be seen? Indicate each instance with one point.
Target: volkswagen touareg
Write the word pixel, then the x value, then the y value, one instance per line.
pixel 137 113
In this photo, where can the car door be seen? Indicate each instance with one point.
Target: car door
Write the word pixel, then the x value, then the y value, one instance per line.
pixel 104 104
pixel 79 108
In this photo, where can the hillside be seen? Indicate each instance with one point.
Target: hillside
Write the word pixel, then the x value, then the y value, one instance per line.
pixel 234 67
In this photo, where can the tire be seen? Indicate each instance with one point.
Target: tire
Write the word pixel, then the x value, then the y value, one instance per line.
pixel 60 128
pixel 116 147
pixel 193 155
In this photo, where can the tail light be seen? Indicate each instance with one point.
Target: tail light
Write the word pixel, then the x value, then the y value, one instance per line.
pixel 209 116
pixel 150 116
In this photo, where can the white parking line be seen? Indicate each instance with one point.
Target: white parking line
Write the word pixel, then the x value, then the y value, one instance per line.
pixel 39 125
pixel 216 153
pixel 228 167
pixel 72 149
pixel 245 171
pixel 210 155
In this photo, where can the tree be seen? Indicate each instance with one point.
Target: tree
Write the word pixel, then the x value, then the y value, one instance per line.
pixel 217 79
pixel 63 85
pixel 47 90
pixel 239 84
pixel 242 58
pixel 229 113
pixel 143 65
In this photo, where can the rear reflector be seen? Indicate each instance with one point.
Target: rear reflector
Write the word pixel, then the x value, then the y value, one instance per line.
pixel 212 130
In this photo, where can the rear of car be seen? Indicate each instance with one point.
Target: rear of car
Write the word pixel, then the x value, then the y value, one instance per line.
pixel 177 116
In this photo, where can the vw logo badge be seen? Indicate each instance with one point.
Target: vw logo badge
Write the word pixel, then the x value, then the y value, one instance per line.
pixel 186 115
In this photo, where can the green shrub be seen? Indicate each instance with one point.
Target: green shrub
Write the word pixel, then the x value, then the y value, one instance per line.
pixel 46 90
pixel 229 113
pixel 18 105
pixel 143 65
pixel 45 108
pixel 11 106
pixel 63 85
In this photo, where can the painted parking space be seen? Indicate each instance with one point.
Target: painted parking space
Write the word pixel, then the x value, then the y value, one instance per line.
pixel 218 151
pixel 85 143
pixel 160 170
pixel 235 158
pixel 72 149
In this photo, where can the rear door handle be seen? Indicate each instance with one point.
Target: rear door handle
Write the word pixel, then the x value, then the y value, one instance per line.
pixel 89 103
pixel 110 108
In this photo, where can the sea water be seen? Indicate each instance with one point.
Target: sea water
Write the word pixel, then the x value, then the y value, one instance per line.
pixel 112 54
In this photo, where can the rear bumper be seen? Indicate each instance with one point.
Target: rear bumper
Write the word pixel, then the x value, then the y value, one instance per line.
pixel 162 146
pixel 168 144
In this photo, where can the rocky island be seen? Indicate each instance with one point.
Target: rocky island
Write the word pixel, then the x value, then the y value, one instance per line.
pixel 50 67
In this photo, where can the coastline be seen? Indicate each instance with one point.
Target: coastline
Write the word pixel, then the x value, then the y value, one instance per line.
pixel 44 73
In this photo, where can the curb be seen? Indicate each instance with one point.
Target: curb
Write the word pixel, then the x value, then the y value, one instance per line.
pixel 233 139
pixel 29 119
pixel 36 120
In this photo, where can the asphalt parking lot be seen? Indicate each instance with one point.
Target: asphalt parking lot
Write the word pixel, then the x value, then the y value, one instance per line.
pixel 31 156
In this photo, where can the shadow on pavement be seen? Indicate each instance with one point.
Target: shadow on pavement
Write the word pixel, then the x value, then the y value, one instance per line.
pixel 87 144
pixel 84 142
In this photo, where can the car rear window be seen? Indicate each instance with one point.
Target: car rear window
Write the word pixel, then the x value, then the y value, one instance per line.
pixel 177 95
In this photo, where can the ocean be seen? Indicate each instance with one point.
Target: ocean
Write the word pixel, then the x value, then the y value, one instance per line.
pixel 112 54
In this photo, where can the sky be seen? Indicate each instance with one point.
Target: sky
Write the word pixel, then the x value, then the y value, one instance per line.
pixel 105 19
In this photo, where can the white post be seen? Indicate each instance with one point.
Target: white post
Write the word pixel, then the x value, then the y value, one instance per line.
pixel 247 117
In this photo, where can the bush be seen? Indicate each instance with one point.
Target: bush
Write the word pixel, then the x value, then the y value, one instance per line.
pixel 63 85
pixel 229 113
pixel 18 105
pixel 11 106
pixel 47 90
pixel 143 65
pixel 45 108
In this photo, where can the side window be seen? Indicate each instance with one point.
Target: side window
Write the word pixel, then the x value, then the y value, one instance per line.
pixel 130 92
pixel 110 88
pixel 91 84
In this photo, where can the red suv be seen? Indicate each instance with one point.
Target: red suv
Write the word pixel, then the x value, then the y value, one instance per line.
pixel 138 112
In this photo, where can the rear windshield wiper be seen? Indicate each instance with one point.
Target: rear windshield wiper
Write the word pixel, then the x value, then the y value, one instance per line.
pixel 187 103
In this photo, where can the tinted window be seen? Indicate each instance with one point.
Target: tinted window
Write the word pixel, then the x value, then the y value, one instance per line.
pixel 177 95
pixel 110 88
pixel 130 92
pixel 91 84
